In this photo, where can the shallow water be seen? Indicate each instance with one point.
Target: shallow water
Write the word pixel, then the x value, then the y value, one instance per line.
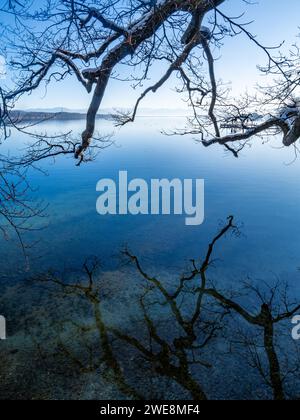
pixel 261 189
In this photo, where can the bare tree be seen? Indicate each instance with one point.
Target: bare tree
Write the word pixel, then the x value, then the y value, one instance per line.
pixel 89 40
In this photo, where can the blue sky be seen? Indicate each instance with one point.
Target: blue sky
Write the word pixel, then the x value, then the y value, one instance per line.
pixel 274 21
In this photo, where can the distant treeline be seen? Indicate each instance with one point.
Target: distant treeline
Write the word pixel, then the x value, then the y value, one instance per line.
pixel 18 117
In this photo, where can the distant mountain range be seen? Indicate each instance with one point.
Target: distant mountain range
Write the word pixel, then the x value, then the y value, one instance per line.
pixel 20 116
pixel 163 112
pixel 55 110
pixel 65 114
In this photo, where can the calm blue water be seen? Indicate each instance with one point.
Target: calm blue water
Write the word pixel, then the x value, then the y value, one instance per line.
pixel 260 189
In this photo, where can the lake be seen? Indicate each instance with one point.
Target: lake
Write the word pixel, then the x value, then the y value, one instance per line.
pixel 261 189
